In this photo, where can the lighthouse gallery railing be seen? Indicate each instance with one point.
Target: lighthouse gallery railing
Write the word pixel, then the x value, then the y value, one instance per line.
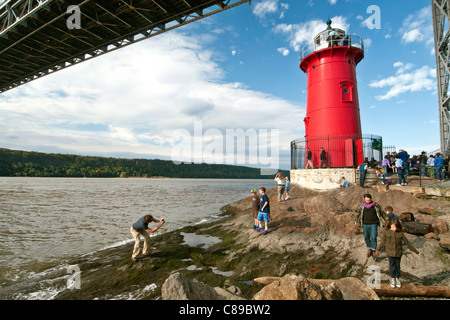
pixel 348 40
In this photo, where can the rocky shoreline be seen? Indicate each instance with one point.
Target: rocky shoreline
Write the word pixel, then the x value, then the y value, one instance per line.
pixel 312 236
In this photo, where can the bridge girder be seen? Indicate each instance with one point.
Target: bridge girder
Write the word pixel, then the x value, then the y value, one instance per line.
pixel 36 40
pixel 441 14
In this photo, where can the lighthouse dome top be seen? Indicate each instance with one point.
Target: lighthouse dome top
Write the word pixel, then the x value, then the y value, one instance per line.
pixel 331 37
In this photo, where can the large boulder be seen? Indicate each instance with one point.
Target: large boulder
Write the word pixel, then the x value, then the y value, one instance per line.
pixel 178 287
pixel 293 287
pixel 351 288
pixel 444 240
pixel 226 294
pixel 438 224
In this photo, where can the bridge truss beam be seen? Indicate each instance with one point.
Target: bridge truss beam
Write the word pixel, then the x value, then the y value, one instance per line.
pixel 441 14
pixel 36 40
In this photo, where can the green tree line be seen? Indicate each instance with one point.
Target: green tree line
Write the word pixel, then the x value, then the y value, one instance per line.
pixel 37 164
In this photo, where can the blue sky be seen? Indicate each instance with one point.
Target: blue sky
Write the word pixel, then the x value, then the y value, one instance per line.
pixel 235 70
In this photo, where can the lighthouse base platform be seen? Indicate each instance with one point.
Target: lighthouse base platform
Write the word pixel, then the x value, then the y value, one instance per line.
pixel 325 178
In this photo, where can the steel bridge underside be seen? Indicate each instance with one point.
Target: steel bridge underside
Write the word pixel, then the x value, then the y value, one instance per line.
pixel 39 37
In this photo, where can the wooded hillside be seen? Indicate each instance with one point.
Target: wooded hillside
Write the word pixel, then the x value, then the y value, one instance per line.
pixel 36 164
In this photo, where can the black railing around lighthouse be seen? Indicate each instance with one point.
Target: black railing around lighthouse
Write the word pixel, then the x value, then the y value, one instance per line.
pixel 342 151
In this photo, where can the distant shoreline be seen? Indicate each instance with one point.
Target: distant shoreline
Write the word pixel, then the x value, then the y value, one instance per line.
pixel 37 164
pixel 137 178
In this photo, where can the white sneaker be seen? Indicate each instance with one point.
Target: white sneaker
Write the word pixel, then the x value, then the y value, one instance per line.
pixel 393 283
pixel 398 184
pixel 397 283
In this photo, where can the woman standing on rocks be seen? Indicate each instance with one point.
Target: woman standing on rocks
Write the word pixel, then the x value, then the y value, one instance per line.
pixel 280 183
pixel 369 216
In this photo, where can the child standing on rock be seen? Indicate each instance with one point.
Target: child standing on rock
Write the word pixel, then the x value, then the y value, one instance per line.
pixel 264 211
pixel 255 207
pixel 393 239
pixel 390 213
pixel 288 187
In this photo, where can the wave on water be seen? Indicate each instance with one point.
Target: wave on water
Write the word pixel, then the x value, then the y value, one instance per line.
pixel 136 294
pixel 35 257
pixel 44 285
pixel 47 284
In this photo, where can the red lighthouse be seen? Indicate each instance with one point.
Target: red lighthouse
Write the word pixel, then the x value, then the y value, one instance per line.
pixel 332 109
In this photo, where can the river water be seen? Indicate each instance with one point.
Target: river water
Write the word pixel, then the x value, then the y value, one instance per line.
pixel 47 220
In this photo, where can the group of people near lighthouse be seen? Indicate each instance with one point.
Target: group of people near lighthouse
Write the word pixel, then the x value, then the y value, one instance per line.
pixel 401 163
pixel 369 216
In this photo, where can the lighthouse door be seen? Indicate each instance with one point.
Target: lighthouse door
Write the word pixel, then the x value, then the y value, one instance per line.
pixel 348 152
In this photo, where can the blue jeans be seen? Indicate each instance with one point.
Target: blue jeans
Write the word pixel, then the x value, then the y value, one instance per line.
pixel 423 168
pixel 394 266
pixel 362 178
pixel 401 176
pixel 385 170
pixel 370 235
pixel 440 175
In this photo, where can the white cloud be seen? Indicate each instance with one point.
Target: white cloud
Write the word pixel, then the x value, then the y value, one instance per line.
pixel 418 27
pixel 405 80
pixel 283 51
pixel 332 2
pixel 300 34
pixel 401 67
pixel 133 99
pixel 265 7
